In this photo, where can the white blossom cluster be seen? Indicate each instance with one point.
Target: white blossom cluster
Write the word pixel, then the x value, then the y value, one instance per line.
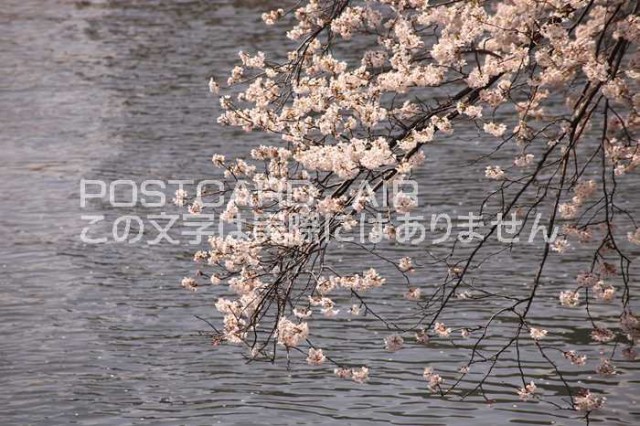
pixel 430 67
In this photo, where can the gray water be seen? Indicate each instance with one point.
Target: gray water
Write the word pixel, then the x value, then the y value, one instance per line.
pixel 103 334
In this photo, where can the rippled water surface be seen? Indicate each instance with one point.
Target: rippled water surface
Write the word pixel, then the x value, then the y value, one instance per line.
pixel 103 334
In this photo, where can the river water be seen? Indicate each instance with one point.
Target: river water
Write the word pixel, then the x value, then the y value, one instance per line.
pixel 103 334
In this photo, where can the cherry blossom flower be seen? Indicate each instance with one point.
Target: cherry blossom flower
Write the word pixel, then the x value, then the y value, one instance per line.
pixel 271 17
pixel 200 256
pixel 567 210
pixel 464 295
pixel 587 279
pixel 291 334
pixel 213 86
pixel 464 369
pixel 583 191
pixel 434 380
pixel 602 335
pixel 494 172
pixel 369 280
pixel 560 245
pixel 569 298
pixel 604 292
pixel 574 358
pixel 180 197
pixel 523 160
pixel 360 375
pixel 630 324
pixel 472 111
pixel 405 264
pixel 527 391
pixel 442 330
pixel 634 237
pixel 315 357
pixel 586 401
pixel 218 160
pixel 325 286
pixel 413 293
pixel 404 203
pixel 393 343
pixel 196 207
pixel 302 312
pixel 343 373
pixel 537 333
pixel 190 284
pixel 495 129
pixel 606 368
pixel 354 310
pixel 422 337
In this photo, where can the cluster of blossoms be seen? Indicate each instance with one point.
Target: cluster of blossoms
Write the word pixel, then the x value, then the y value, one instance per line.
pixel 291 334
pixel 606 368
pixel 393 343
pixel 358 375
pixel 634 237
pixel 316 356
pixel 421 71
pixel 574 358
pixel 434 380
pixel 442 330
pixel 591 282
pixel 583 191
pixel 537 333
pixel 586 401
pixel 527 391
